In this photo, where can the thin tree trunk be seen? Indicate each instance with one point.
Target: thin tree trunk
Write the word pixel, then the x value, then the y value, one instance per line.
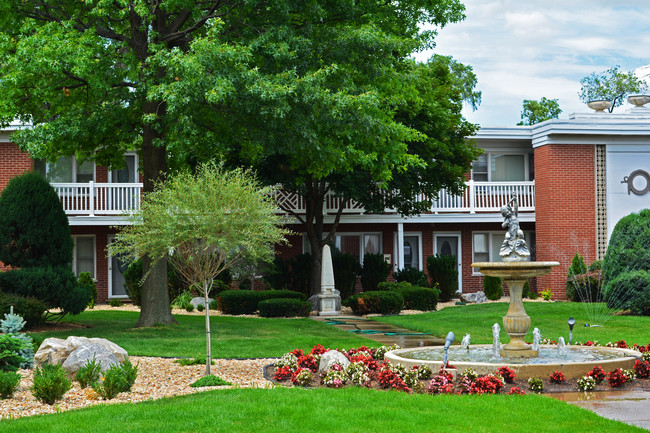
pixel 208 348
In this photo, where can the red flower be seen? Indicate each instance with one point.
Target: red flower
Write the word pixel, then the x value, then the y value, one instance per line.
pixel 621 344
pixel 557 377
pixel 516 391
pixel 488 384
pixel 642 368
pixel 597 373
pixel 318 350
pixel 282 373
pixel 297 353
pixel 508 374
pixel 616 378
pixel 308 362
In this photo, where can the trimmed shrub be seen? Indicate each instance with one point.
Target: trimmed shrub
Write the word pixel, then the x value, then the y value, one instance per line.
pixel 9 381
pixel 443 272
pixel 56 286
pixel 210 380
pixel 284 307
pixel 636 286
pixel 378 302
pixel 10 353
pixel 89 373
pixel 118 378
pixel 50 383
pixel 346 270
pixel 411 275
pixel 245 301
pixel 415 298
pixel 493 287
pixel 34 229
pixel 30 308
pixel 86 281
pixel 375 270
pixel 577 267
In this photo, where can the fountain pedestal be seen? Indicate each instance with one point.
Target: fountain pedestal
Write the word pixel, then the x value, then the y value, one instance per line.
pixel 516 322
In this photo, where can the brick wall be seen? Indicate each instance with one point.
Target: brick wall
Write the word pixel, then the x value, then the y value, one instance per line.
pixel 565 206
pixel 13 162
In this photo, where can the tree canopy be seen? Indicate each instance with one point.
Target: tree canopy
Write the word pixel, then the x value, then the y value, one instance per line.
pixel 312 94
pixel 610 85
pixel 538 111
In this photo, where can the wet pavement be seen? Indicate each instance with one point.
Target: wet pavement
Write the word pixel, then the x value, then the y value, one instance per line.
pixel 381 332
pixel 631 407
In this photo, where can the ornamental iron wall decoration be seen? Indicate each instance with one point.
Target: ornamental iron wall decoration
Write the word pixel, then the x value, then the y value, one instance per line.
pixel 630 182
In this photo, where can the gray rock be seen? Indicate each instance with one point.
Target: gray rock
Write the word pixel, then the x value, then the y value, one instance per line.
pixel 330 358
pixel 200 300
pixel 474 298
pixel 57 351
pixel 315 301
pixel 81 355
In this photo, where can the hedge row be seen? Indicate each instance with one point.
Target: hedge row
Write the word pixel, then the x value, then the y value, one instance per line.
pixel 246 301
pixel 284 307
pixel 415 298
pixel 378 302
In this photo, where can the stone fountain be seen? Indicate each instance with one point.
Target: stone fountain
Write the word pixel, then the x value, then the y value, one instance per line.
pixel 515 269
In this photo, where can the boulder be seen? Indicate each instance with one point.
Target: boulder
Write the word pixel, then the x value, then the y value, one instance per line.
pixel 315 301
pixel 57 351
pixel 474 298
pixel 200 300
pixel 81 355
pixel 330 358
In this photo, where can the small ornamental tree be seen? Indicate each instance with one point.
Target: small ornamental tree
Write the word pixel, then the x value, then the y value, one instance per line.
pixel 34 229
pixel 610 85
pixel 211 220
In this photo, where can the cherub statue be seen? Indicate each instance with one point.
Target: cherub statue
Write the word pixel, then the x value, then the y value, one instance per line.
pixel 514 246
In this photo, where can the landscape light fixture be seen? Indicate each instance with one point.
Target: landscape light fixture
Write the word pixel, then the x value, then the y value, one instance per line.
pixel 572 322
pixel 450 339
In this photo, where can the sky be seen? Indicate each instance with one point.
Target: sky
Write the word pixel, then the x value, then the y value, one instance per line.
pixel 533 49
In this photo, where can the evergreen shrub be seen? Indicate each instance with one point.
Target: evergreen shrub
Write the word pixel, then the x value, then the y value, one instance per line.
pixel 284 307
pixel 30 308
pixel 133 282
pixel 415 298
pixel 277 274
pixel 378 302
pixel 637 292
pixel 493 288
pixel 411 275
pixel 375 270
pixel 300 266
pixel 245 301
pixel 89 373
pixel 9 381
pixel 10 352
pixel 346 270
pixel 86 281
pixel 50 383
pixel 443 272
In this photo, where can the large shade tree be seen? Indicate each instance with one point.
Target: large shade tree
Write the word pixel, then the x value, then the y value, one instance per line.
pixel 319 90
pixel 210 221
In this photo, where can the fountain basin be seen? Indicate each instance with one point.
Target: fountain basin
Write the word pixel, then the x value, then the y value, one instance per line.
pixel 579 360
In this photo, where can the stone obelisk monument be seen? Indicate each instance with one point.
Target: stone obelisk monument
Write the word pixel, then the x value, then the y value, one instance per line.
pixel 327 296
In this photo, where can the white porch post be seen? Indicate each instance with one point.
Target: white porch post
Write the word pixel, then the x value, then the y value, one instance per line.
pixel 91 198
pixel 400 246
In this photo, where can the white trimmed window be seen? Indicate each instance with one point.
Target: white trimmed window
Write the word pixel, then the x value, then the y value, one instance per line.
pixel 486 246
pixel 503 167
pixel 66 170
pixel 357 244
pixel 83 257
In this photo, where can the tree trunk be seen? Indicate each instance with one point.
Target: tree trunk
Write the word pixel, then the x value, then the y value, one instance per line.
pixel 314 201
pixel 208 340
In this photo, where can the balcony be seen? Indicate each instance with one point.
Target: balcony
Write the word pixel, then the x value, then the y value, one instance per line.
pixel 97 199
pixel 478 197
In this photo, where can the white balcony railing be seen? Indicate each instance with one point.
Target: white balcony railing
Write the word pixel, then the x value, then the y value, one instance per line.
pixel 98 198
pixel 477 197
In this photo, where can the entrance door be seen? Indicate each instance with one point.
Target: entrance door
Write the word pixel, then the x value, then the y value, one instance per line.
pixel 412 250
pixel 448 244
pixel 116 269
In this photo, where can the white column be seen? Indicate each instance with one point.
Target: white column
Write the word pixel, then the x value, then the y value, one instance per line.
pixel 400 245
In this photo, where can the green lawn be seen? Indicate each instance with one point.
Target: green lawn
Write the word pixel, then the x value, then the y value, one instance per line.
pixel 550 318
pixel 232 337
pixel 308 410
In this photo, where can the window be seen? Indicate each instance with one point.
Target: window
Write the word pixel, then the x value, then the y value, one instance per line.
pixel 66 170
pixel 486 246
pixel 83 257
pixel 357 244
pixel 497 167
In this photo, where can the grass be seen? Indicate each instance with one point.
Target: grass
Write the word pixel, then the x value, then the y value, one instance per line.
pixel 232 337
pixel 550 318
pixel 314 410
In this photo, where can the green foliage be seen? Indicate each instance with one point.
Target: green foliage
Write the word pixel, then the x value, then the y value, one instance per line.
pixel 56 286
pixel 636 285
pixel 610 85
pixel 546 294
pixel 189 308
pixel 377 302
pixel 443 272
pixel 534 112
pixel 10 353
pixel 12 323
pixel 185 362
pixel 27 351
pixel 596 265
pixel 245 301
pixel 115 302
pixel 133 281
pixel 214 305
pixel 415 298
pixel 346 270
pixel 117 379
pixel 183 300
pixel 281 307
pixel 493 288
pixel 277 273
pixel 34 229
pixel 300 266
pixel 50 383
pixel 577 267
pixel 411 275
pixel 375 270
pixel 86 281
pixel 526 293
pixel 210 380
pixel 9 381
pixel 30 308
pixel 200 307
pixel 89 373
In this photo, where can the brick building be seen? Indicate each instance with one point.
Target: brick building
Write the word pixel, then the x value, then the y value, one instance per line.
pixel 575 178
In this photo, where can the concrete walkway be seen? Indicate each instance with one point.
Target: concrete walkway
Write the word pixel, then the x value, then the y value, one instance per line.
pixel 381 332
